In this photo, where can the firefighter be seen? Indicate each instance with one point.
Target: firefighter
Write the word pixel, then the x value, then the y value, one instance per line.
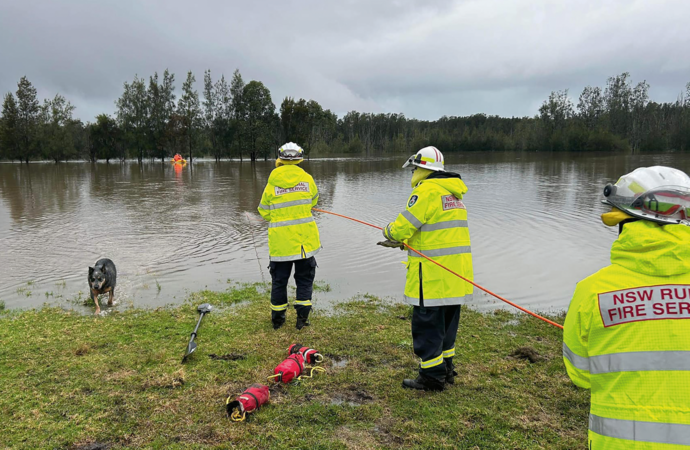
pixel 293 238
pixel 627 335
pixel 435 223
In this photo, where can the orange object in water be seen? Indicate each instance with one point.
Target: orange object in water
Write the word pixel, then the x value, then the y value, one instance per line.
pixel 457 275
pixel 177 157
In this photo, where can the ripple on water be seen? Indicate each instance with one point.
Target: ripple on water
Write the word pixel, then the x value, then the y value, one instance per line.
pixel 534 224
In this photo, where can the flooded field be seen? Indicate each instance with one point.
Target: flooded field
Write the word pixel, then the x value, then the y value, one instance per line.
pixel 534 224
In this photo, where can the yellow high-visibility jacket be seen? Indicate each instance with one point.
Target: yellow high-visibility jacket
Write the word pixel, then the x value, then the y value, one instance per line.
pixel 286 203
pixel 435 223
pixel 627 338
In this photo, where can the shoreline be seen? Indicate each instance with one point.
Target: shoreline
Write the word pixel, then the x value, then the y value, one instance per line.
pixel 74 381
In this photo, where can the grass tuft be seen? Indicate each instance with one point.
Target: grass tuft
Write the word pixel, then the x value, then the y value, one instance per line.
pixel 321 286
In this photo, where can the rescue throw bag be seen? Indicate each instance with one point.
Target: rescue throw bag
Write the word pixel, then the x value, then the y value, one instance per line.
pixel 249 401
pixel 290 368
pixel 310 355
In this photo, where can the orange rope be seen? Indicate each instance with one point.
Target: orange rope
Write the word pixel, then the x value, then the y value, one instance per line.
pixel 457 275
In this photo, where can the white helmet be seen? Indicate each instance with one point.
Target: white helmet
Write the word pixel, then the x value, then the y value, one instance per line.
pixel 290 152
pixel 658 194
pixel 427 158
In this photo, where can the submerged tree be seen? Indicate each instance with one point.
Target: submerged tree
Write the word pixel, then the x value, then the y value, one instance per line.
pixel 9 129
pixel 161 106
pixel 133 114
pixel 223 125
pixel 212 115
pixel 105 137
pixel 58 130
pixel 259 109
pixel 239 113
pixel 190 112
pixel 29 110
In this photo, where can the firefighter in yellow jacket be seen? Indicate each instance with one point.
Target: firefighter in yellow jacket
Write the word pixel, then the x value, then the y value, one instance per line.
pixel 293 238
pixel 435 223
pixel 627 332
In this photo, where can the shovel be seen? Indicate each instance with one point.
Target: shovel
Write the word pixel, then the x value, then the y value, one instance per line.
pixel 203 309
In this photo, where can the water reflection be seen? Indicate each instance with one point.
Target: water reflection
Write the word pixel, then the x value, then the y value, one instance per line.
pixel 534 222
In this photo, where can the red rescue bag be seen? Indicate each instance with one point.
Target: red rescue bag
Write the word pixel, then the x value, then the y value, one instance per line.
pixel 290 368
pixel 310 355
pixel 250 400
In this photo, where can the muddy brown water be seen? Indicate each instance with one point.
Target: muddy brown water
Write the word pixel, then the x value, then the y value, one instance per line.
pixel 534 225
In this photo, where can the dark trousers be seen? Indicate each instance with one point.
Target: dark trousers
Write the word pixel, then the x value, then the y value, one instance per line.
pixel 305 270
pixel 433 338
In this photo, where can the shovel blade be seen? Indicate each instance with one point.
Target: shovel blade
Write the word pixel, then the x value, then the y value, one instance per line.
pixel 190 349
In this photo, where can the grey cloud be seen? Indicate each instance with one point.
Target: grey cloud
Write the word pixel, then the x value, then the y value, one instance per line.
pixel 425 59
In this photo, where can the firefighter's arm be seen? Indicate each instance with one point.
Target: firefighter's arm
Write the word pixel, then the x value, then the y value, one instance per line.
pixel 576 336
pixel 409 221
pixel 265 205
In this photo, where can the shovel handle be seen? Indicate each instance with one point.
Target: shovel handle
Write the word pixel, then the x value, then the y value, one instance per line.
pixel 196 328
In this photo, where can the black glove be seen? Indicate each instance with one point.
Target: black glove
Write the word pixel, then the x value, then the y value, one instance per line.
pixel 391 244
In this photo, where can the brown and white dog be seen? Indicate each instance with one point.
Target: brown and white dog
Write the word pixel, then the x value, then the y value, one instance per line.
pixel 102 279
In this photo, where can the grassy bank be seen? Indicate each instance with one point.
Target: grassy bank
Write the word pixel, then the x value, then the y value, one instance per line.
pixel 72 381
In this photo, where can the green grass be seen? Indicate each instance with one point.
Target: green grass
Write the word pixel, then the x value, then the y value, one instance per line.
pixel 24 291
pixel 321 286
pixel 118 379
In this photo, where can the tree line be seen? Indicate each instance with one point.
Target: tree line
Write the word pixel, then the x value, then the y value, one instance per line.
pixel 239 120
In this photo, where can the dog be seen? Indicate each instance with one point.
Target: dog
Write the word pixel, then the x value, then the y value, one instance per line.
pixel 102 279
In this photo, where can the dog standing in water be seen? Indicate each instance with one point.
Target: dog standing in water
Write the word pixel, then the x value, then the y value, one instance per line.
pixel 102 279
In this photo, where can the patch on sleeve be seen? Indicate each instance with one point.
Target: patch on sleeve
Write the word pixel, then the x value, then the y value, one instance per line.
pixel 412 201
pixel 645 303
pixel 451 202
pixel 299 187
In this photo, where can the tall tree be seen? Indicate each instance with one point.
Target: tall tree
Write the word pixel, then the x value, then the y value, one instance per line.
pixel 58 129
pixel 211 114
pixel 161 101
pixel 591 106
pixel 224 123
pixel 105 137
pixel 314 117
pixel 259 108
pixel 287 122
pixel 156 117
pixel 133 114
pixel 29 110
pixel 239 113
pixel 617 96
pixel 188 108
pixel 557 110
pixel 639 99
pixel 9 129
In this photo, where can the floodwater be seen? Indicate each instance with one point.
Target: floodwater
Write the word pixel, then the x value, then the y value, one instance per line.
pixel 534 224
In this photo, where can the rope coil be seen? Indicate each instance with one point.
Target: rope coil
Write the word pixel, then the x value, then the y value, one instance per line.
pixel 311 372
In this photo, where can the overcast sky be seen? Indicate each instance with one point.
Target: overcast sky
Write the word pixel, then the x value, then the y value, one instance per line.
pixel 422 58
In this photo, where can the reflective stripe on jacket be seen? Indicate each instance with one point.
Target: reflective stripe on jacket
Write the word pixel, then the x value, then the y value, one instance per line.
pixel 435 223
pixel 286 203
pixel 627 338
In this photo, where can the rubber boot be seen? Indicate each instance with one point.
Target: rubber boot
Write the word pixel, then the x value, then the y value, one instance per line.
pixel 302 322
pixel 278 319
pixel 424 383
pixel 450 373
